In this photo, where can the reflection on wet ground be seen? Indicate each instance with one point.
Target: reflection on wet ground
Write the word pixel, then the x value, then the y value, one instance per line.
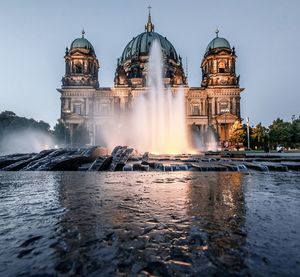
pixel 165 224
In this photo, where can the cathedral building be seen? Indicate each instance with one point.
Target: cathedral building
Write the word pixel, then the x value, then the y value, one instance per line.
pixel 215 103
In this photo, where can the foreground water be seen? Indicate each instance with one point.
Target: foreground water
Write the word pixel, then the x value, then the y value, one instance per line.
pixel 180 223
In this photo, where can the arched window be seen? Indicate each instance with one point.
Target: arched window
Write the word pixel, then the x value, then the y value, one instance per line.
pixel 221 67
pixel 77 109
pixel 195 110
pixel 78 68
pixel 104 110
pixel 224 107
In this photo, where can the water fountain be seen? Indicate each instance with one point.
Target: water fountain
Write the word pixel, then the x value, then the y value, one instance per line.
pixel 204 138
pixel 156 122
pixel 158 115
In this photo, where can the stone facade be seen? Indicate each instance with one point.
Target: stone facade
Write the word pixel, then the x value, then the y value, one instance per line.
pixel 216 103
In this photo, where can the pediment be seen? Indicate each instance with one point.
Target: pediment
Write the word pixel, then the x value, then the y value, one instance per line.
pixel 78 54
pixel 226 117
pixel 223 52
pixel 74 116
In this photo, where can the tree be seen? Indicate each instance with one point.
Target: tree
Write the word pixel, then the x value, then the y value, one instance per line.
pixel 81 136
pixel 238 134
pixel 16 131
pixel 10 122
pixel 61 133
pixel 259 136
pixel 44 126
pixel 6 118
pixel 295 133
pixel 280 133
pixel 7 114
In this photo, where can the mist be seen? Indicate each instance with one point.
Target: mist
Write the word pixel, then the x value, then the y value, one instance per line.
pixel 155 121
pixel 25 141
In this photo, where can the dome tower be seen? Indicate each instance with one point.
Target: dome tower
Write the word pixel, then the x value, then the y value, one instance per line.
pixel 221 84
pixel 132 65
pixel 218 64
pixel 81 64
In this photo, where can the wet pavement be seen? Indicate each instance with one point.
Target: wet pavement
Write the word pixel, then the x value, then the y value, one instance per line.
pixel 149 223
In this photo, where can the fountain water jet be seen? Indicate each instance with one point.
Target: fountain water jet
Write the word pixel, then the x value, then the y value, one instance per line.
pixel 156 121
pixel 204 138
pixel 158 115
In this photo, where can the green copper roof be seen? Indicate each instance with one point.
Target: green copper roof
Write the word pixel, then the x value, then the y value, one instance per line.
pixel 218 43
pixel 141 44
pixel 82 43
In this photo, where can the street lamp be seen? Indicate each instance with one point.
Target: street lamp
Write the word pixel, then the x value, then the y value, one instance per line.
pixel 66 112
pixel 248 132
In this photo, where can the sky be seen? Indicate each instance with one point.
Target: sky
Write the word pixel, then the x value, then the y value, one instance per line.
pixel 265 33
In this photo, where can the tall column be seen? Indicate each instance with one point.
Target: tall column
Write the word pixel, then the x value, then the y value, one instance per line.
pixel 85 107
pixel 217 127
pixel 122 103
pixel 214 66
pixel 93 121
pixel 234 106
pixel 187 105
pixel 70 105
pixel 238 111
pixel 209 110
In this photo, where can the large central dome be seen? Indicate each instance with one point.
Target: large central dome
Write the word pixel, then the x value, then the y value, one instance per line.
pixel 141 44
pixel 132 64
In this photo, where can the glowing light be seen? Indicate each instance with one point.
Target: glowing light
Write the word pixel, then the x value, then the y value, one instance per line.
pixel 157 121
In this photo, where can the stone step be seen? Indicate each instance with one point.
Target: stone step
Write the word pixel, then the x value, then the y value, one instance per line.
pixel 208 167
pixel 255 166
pixel 276 167
pixel 291 166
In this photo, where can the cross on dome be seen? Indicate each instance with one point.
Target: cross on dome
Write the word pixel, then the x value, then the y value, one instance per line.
pixel 149 27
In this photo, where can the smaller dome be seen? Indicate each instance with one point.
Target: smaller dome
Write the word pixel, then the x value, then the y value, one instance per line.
pixel 218 42
pixel 82 43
